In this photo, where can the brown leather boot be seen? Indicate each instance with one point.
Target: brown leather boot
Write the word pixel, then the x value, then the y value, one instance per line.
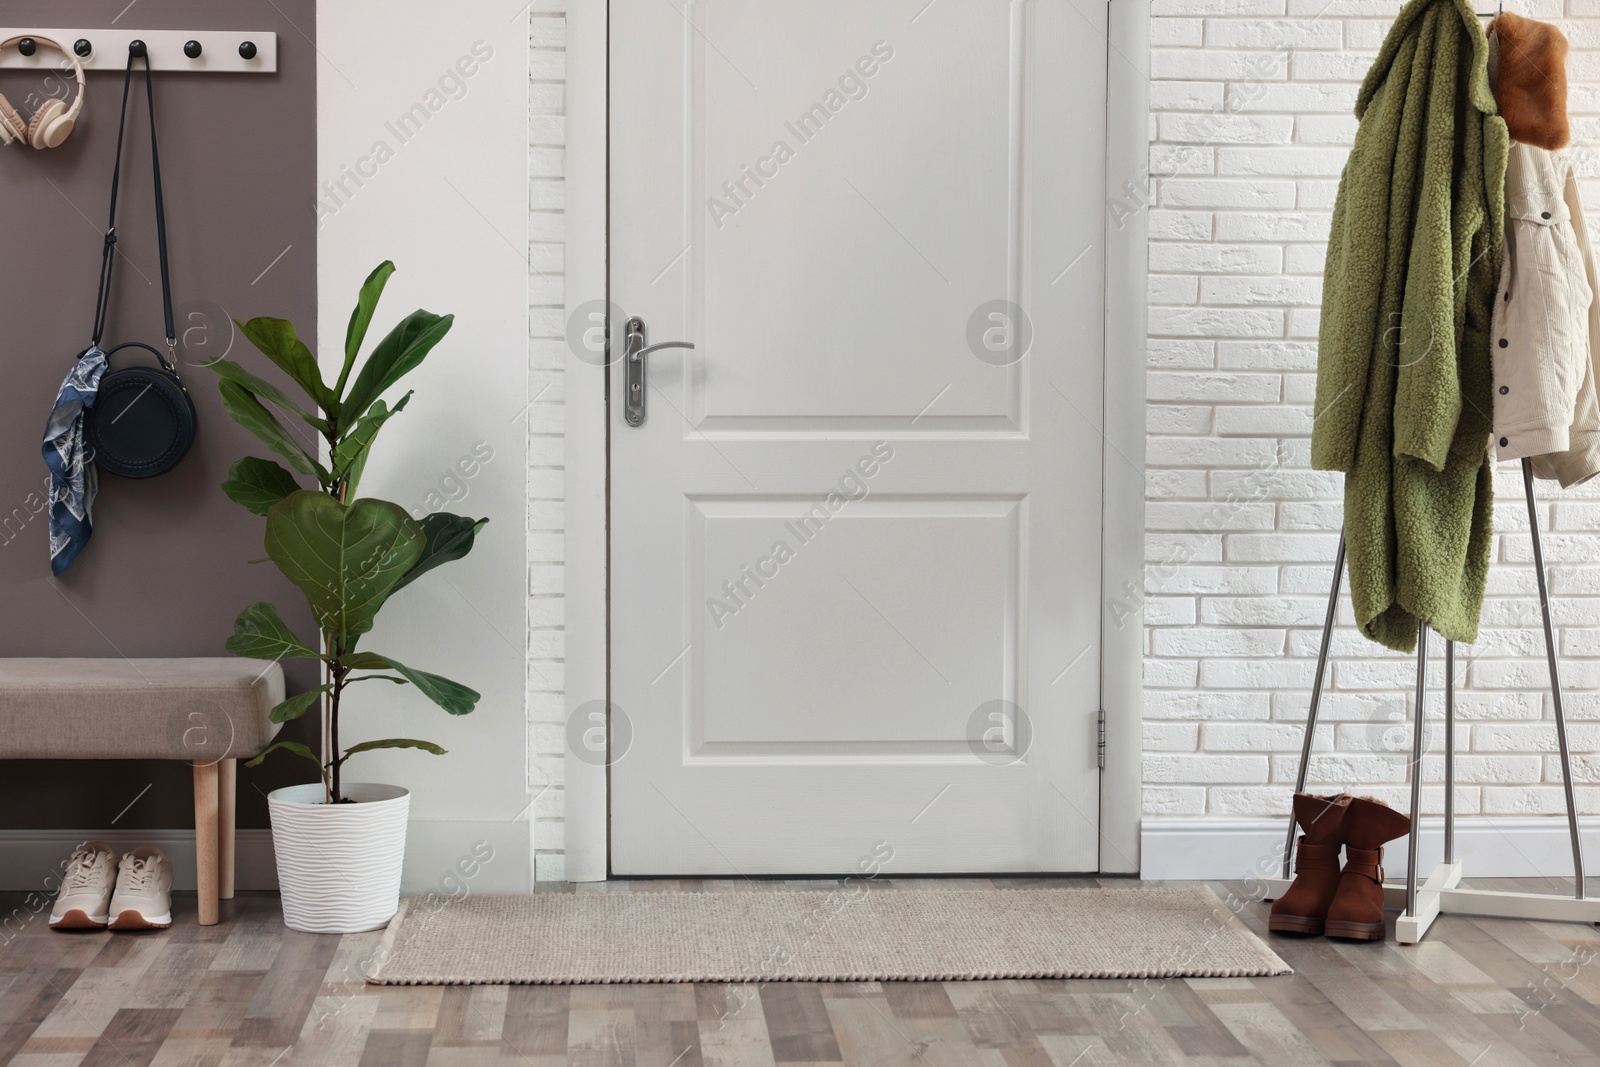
pixel 1302 908
pixel 1357 909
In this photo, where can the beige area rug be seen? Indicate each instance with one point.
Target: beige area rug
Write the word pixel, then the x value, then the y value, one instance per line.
pixel 849 934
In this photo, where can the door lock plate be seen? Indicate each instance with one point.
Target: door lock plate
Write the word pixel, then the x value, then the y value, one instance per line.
pixel 635 347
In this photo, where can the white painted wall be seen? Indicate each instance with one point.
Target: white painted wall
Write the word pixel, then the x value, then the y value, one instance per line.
pixel 446 198
pixel 1252 123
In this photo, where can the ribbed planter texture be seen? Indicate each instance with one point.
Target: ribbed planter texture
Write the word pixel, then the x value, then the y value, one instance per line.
pixel 339 864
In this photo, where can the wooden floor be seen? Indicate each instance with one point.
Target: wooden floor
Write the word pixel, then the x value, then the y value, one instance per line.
pixel 249 992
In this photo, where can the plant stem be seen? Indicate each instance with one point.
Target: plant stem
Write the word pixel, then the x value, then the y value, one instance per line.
pixel 335 668
pixel 330 727
pixel 333 718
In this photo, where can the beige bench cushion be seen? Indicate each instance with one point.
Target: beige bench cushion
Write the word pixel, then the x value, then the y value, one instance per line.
pixel 190 709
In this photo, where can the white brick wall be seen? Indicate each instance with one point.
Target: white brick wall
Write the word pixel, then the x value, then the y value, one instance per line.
pixel 1252 121
pixel 546 138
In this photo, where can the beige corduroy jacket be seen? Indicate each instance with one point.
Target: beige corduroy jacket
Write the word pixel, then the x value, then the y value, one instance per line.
pixel 1546 324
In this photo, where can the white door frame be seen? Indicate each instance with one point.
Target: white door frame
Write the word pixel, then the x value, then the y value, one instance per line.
pixel 586 598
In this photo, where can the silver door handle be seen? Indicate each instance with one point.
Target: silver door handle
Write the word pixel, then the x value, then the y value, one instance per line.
pixel 634 350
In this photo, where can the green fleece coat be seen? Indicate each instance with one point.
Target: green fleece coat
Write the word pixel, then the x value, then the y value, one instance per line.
pixel 1403 403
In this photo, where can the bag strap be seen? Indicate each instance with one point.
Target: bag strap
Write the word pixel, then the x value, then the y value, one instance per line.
pixel 103 295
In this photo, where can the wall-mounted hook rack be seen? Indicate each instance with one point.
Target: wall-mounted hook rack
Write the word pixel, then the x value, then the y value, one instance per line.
pixel 207 51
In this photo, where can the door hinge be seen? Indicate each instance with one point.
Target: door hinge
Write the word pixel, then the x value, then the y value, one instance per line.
pixel 1100 745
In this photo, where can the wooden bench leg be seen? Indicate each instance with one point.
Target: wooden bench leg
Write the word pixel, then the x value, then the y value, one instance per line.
pixel 227 788
pixel 205 839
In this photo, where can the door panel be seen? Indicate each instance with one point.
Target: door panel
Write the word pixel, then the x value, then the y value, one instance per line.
pixel 884 689
pixel 855 545
pixel 864 171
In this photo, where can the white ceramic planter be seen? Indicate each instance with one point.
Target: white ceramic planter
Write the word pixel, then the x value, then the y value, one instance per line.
pixel 339 864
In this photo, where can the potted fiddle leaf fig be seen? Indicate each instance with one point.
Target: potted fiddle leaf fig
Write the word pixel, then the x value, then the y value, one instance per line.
pixel 339 844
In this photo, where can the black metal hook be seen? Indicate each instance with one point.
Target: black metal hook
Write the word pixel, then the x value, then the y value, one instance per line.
pixel 27 46
pixel 192 49
pixel 82 48
pixel 137 49
pixel 248 50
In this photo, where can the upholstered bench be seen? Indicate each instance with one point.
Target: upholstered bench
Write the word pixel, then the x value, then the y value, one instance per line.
pixel 208 712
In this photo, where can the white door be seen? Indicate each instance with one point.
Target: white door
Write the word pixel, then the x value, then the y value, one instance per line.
pixel 855 542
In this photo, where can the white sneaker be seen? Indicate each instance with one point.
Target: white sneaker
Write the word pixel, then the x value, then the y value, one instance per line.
pixel 84 900
pixel 143 900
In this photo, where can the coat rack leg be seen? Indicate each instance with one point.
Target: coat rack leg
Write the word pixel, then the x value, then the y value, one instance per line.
pixel 1416 769
pixel 1316 695
pixel 1555 681
pixel 1449 752
pixel 1442 893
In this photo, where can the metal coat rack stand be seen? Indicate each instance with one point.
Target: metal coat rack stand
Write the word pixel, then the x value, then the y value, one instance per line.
pixel 1441 893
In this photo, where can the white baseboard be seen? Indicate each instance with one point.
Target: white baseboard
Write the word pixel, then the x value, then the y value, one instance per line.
pixel 480 857
pixel 1488 847
pixel 493 857
pixel 487 857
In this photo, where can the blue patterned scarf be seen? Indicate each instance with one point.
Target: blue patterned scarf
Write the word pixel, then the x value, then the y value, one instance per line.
pixel 73 479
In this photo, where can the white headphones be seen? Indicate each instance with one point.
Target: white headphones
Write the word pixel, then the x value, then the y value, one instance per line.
pixel 50 125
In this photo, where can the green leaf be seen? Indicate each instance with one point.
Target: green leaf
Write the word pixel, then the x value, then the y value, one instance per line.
pixel 292 746
pixel 260 633
pixel 361 318
pixel 350 458
pixel 364 661
pixel 297 705
pixel 453 697
pixel 396 356
pixel 346 558
pixel 393 742
pixel 248 412
pixel 262 388
pixel 278 340
pixel 449 538
pixel 258 484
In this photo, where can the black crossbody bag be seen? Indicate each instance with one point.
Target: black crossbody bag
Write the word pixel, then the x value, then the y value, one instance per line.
pixel 142 421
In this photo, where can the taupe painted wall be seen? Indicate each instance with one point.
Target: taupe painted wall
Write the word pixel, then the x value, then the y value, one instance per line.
pixel 166 571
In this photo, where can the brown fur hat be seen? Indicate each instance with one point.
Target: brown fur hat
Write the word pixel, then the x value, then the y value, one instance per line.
pixel 1531 81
